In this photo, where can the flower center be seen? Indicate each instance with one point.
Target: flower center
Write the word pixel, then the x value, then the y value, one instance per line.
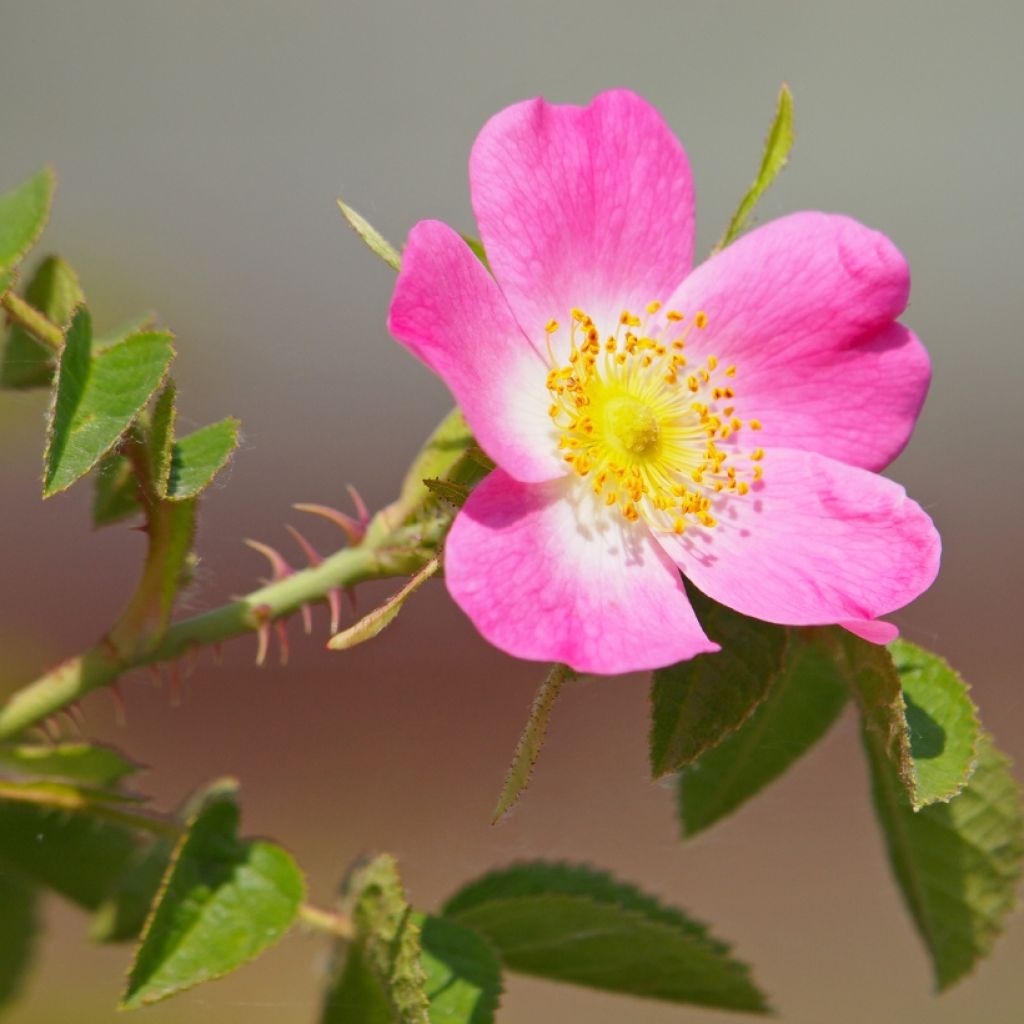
pixel 655 436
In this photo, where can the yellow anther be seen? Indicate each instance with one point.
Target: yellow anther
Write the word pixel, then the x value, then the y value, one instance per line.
pixel 757 454
pixel 552 326
pixel 653 307
pixel 712 362
pixel 701 320
pixel 754 424
pixel 674 315
pixel 731 371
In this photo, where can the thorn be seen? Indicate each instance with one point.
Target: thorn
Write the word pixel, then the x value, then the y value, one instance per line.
pixel 191 660
pixel 72 722
pixel 281 628
pixel 176 691
pixel 262 614
pixel 278 565
pixel 334 603
pixel 352 529
pixel 156 675
pixel 120 708
pixel 307 619
pixel 52 730
pixel 361 510
pixel 218 654
pixel 78 714
pixel 311 553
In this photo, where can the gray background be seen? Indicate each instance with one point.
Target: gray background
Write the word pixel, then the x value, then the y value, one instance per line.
pixel 200 148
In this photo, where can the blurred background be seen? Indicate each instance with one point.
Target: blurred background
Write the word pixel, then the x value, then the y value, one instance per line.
pixel 200 147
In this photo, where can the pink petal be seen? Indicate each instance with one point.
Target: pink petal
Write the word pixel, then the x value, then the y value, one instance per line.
pixel 546 573
pixel 448 311
pixel 875 631
pixel 815 542
pixel 804 308
pixel 582 206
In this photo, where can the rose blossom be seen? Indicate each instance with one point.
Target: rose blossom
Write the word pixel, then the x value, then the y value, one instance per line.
pixel 645 419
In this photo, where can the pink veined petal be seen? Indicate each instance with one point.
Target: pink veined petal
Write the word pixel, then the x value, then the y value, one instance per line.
pixel 589 207
pixel 448 311
pixel 804 308
pixel 815 542
pixel 875 631
pixel 547 574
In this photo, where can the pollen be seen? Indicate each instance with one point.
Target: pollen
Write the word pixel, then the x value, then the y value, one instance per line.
pixel 652 443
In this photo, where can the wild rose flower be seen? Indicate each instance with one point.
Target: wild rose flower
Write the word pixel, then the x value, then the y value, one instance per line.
pixel 644 419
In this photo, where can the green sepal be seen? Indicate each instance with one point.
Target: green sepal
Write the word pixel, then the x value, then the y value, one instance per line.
pixel 223 901
pixel 774 158
pixel 24 212
pixel 805 699
pixel 573 924
pixel 374 240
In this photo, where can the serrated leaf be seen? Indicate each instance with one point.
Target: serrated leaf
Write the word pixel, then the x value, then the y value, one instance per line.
pixel 198 457
pixel 381 978
pixel 123 913
pixel 8 279
pixel 23 215
pixel 224 901
pixel 942 720
pixel 463 975
pixel 532 739
pixel 776 154
pixel 804 701
pixel 376 242
pixel 116 493
pixel 98 397
pixel 55 292
pixel 72 853
pixel 160 439
pixel 577 925
pixel 18 927
pixel 85 763
pixel 958 864
pixel 380 618
pixel 697 703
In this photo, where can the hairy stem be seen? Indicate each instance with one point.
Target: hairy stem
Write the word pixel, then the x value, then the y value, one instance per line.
pixel 33 321
pixel 397 553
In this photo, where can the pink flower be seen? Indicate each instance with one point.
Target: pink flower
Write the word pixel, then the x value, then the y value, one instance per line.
pixel 646 419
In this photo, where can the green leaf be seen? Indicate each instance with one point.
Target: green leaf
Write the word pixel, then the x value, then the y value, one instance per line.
pixel 197 458
pixel 375 622
pixel 98 397
pixel 804 701
pixel 123 913
pixel 697 703
pixel 85 763
pixel 441 453
pixel 224 901
pixel 8 279
pixel 377 243
pixel 532 739
pixel 116 494
pixel 942 720
pixel 958 864
pixel 776 154
pixel 72 853
pixel 55 292
pixel 463 975
pixel 875 683
pixel 388 940
pixel 358 994
pixel 23 215
pixel 160 441
pixel 18 926
pixel 576 925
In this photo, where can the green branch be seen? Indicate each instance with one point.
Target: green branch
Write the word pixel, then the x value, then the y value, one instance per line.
pixel 398 553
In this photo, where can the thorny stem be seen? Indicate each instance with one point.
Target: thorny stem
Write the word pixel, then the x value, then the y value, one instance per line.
pixel 32 320
pixel 162 827
pixel 382 554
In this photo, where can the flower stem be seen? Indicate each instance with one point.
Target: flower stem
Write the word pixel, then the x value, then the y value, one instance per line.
pixel 397 553
pixel 33 321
